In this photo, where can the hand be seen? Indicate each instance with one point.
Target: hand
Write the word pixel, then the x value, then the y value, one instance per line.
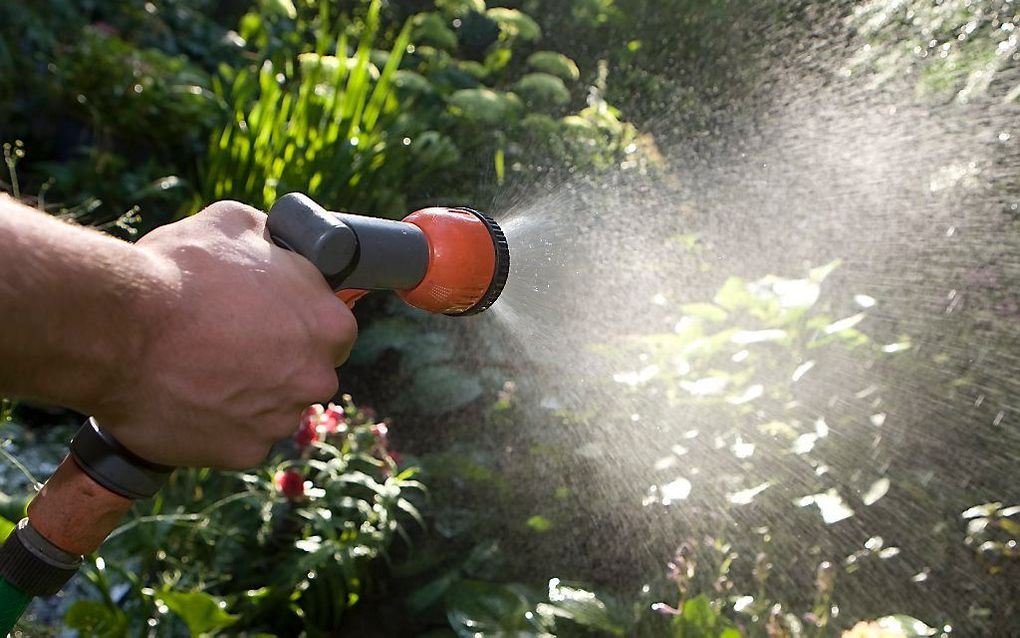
pixel 241 336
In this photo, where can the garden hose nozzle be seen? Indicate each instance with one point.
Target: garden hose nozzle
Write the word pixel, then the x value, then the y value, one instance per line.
pixel 452 261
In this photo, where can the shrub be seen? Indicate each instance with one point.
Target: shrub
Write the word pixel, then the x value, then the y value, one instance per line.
pixel 289 545
pixel 408 116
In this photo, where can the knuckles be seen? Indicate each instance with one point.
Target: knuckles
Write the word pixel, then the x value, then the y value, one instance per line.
pixel 338 323
pixel 233 213
pixel 322 387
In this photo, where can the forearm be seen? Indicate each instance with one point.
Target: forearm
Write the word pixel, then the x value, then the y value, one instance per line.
pixel 74 305
pixel 198 346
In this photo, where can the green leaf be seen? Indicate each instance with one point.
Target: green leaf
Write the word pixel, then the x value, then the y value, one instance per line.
pixel 460 7
pixel 412 82
pixel 579 606
pixel 6 527
pixel 395 333
pixel 698 612
pixel 515 23
pixel 698 619
pixel 484 106
pixel 475 69
pixel 543 89
pixel 410 509
pixel 909 626
pixel 554 63
pixel 280 7
pixel 424 597
pixel 1011 527
pixel 538 523
pixel 476 608
pixel 201 612
pixel 93 618
pixel 497 59
pixel 819 274
pixel 442 389
pixel 734 294
pixel 499 164
pixel 985 509
pixel 431 28
pixel 14 508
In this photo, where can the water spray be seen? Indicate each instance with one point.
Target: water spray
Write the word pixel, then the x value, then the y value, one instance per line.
pixel 451 261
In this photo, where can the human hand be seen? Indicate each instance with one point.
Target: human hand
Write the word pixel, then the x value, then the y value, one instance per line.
pixel 240 337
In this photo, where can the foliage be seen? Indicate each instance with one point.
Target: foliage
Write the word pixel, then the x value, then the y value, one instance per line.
pixel 675 77
pixel 737 367
pixel 380 106
pixel 993 532
pixel 957 48
pixel 142 95
pixel 753 373
pixel 108 99
pixel 336 134
pixel 257 550
pixel 369 128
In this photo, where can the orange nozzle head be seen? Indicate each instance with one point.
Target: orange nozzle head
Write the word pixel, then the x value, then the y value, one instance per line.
pixel 468 261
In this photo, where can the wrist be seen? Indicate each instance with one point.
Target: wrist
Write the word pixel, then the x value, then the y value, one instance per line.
pixel 140 302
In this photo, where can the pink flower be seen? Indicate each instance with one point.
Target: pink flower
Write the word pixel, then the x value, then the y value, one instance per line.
pixel 106 28
pixel 291 483
pixel 306 434
pixel 381 433
pixel 665 609
pixel 332 419
pixel 308 431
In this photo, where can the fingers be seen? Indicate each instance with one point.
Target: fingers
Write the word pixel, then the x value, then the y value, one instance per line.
pixel 270 429
pixel 244 456
pixel 340 329
pixel 321 387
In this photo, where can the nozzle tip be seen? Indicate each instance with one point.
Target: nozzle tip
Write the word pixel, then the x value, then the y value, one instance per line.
pixel 469 261
pixel 500 273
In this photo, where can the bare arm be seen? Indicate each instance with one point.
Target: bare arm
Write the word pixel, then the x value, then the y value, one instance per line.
pixel 199 345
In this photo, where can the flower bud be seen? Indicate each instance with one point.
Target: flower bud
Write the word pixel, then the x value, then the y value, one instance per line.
pixel 291 483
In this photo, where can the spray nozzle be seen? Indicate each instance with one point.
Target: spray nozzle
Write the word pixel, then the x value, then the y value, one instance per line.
pixel 452 261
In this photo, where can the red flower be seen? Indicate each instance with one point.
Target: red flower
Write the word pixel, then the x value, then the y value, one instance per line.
pixel 332 419
pixel 311 414
pixel 397 458
pixel 290 482
pixel 306 434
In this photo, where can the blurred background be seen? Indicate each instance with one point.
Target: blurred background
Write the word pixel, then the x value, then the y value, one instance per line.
pixel 755 372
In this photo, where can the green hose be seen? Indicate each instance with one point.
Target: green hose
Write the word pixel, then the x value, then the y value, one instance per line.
pixel 13 602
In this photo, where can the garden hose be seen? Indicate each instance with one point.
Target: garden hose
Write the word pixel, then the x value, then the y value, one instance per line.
pixel 13 602
pixel 451 261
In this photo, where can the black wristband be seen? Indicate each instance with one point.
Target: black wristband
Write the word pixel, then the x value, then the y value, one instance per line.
pixel 115 467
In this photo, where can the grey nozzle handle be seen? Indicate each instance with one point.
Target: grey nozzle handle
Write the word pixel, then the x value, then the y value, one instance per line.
pixel 351 251
pixel 300 225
